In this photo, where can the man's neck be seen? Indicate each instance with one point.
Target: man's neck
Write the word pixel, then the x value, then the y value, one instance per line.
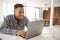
pixel 16 18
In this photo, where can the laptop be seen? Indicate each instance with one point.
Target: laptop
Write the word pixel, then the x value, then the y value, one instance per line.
pixel 34 29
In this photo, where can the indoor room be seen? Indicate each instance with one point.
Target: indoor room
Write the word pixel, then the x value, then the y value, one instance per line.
pixel 45 12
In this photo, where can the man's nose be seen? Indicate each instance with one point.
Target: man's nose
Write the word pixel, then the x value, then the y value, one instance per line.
pixel 22 14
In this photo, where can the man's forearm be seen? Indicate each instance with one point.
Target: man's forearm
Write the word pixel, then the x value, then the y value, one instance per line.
pixel 8 31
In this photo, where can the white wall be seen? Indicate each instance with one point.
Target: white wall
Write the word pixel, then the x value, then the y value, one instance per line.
pixel 1 13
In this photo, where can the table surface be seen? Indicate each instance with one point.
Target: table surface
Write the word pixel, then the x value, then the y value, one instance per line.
pixel 13 37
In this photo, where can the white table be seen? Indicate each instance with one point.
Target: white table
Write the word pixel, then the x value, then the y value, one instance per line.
pixel 13 37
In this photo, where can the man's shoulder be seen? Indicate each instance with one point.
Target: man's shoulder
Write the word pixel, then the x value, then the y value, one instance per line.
pixel 9 16
pixel 25 18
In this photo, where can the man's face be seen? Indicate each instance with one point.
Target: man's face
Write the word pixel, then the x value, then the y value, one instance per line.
pixel 19 12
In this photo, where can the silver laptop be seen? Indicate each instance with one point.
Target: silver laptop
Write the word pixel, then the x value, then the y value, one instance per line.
pixel 34 29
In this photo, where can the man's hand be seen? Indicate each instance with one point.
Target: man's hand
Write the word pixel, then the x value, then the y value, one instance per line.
pixel 21 33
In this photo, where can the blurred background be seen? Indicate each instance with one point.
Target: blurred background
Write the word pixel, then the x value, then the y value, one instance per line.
pixel 33 9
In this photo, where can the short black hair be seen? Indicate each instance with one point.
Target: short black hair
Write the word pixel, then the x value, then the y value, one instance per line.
pixel 18 5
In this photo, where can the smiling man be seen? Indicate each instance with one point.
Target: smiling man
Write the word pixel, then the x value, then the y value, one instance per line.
pixel 14 24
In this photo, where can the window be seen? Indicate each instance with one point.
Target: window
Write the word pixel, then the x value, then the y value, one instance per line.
pixel 7 9
pixel 31 12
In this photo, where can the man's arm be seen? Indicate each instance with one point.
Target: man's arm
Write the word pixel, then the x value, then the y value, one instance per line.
pixel 23 32
pixel 6 27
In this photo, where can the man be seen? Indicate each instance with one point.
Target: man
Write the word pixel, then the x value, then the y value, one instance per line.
pixel 14 24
